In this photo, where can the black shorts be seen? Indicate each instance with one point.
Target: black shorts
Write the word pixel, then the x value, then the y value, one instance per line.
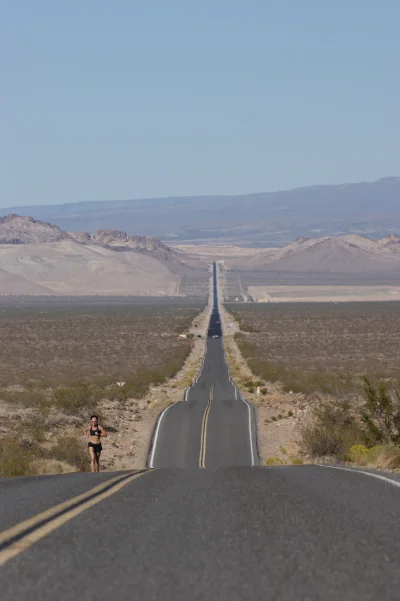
pixel 97 448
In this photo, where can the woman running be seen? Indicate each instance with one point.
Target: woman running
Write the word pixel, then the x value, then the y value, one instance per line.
pixel 94 432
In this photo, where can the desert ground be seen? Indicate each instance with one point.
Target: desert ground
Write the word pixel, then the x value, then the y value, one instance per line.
pixel 302 294
pixel 221 252
pixel 60 364
pixel 300 355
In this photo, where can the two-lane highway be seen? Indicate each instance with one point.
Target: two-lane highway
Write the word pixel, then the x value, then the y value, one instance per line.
pixel 213 427
pixel 299 533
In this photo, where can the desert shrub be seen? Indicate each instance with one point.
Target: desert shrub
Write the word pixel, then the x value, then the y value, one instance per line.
pixel 264 391
pixel 14 459
pixel 26 398
pixel 290 413
pixel 275 461
pixel 71 450
pixel 359 454
pixel 385 456
pixel 332 431
pixel 296 461
pixel 77 400
pixel 381 413
pixel 247 327
pixel 248 383
pixel 33 429
pixel 51 466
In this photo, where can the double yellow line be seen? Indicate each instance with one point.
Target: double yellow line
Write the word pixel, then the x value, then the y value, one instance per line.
pixel 16 539
pixel 203 438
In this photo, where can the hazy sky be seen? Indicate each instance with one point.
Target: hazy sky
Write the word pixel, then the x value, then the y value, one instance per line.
pixel 121 99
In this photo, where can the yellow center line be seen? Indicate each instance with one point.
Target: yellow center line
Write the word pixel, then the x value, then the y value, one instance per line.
pixel 203 439
pixel 35 534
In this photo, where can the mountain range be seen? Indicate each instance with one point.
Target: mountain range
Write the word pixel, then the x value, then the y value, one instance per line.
pixel 39 258
pixel 257 220
pixel 333 261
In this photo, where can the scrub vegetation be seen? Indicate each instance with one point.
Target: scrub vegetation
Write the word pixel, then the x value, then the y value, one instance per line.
pixel 320 347
pixel 59 365
pixel 346 358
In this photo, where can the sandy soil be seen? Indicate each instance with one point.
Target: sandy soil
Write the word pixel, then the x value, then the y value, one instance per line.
pixel 220 252
pixel 66 267
pixel 279 294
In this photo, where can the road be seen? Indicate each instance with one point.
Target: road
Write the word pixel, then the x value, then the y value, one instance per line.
pixel 257 534
pixel 213 427
pixel 224 533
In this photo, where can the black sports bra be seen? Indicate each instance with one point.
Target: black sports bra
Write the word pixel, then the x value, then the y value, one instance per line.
pixel 96 432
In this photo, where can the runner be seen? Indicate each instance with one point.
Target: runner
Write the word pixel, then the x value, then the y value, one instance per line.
pixel 94 432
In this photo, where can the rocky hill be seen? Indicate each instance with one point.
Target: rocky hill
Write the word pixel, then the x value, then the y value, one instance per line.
pixel 336 260
pixel 334 253
pixel 117 240
pixel 16 229
pixel 39 258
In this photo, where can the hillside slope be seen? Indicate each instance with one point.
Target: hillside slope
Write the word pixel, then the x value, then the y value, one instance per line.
pixel 38 258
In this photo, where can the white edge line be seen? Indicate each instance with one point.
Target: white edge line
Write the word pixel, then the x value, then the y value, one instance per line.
pixel 377 476
pixel 153 449
pixel 250 432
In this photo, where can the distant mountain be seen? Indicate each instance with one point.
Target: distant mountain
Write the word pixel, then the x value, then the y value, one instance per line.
pixel 38 258
pixel 327 260
pixel 261 219
pixel 16 229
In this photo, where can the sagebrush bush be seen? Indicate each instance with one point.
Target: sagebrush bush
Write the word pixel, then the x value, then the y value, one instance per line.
pixel 33 429
pixel 332 431
pixel 15 460
pixel 72 450
pixel 77 400
pixel 386 456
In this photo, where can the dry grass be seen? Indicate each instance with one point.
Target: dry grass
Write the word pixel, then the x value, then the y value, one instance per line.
pixel 324 347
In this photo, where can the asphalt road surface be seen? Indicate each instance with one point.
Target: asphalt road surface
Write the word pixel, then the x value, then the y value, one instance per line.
pixel 257 534
pixel 213 427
